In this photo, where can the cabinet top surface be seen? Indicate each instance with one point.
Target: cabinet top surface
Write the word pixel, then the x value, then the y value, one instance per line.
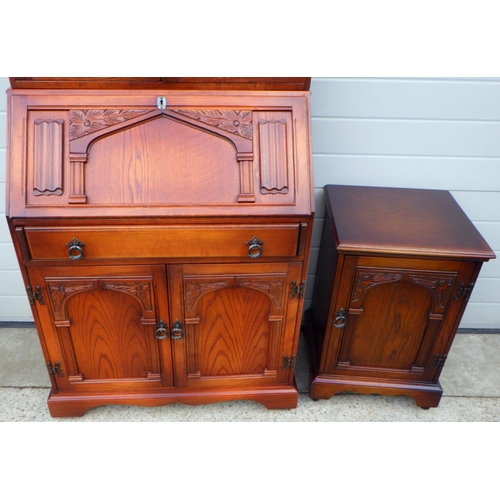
pixel 167 83
pixel 403 222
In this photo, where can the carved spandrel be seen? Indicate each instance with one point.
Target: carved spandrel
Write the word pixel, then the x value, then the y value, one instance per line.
pixel 48 156
pixel 87 121
pixel 61 291
pixel 440 286
pixel 232 121
pixel 194 289
pixel 366 280
pixel 139 289
pixel 273 287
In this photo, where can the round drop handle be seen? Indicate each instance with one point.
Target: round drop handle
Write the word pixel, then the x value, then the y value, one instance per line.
pixel 177 332
pixel 75 249
pixel 254 248
pixel 340 319
pixel 161 332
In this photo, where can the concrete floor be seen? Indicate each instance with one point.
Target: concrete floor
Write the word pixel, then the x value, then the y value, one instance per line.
pixel 470 380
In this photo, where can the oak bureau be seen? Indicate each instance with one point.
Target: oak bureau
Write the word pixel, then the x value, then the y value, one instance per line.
pixel 163 228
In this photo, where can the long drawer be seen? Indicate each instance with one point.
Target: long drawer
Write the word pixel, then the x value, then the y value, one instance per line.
pixel 115 242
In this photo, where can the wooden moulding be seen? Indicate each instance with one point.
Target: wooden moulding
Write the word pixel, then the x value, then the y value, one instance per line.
pixel 274 397
pixel 174 83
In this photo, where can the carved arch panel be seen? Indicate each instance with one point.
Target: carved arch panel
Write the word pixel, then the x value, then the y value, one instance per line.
pixel 100 324
pixel 105 328
pixel 61 290
pixel 394 316
pixel 162 161
pixel 439 285
pixel 88 126
pixel 234 325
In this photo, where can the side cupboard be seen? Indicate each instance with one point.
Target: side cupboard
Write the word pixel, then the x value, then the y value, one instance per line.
pixel 395 271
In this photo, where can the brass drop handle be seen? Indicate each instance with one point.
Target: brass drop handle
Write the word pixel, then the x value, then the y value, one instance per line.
pixel 177 332
pixel 75 249
pixel 340 319
pixel 161 330
pixel 254 248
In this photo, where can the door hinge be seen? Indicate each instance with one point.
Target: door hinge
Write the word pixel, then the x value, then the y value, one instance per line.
pixel 297 289
pixel 54 370
pixel 33 296
pixel 288 363
pixel 438 361
pixel 464 291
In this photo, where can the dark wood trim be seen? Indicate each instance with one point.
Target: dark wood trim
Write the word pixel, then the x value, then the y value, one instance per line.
pixel 166 83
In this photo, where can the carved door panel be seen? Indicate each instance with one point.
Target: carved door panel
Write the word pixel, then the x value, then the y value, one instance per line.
pixel 235 318
pixel 100 326
pixel 393 321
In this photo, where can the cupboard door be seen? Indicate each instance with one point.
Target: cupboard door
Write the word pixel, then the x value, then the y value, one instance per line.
pixel 100 326
pixel 239 322
pixel 394 318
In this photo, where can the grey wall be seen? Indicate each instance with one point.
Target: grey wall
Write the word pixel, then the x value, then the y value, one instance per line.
pixel 14 305
pixel 416 133
pixel 420 133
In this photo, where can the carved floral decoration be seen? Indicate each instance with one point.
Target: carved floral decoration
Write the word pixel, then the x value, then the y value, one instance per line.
pixel 439 285
pixel 88 121
pixel 139 289
pixel 60 291
pixel 232 121
pixel 195 289
pixel 367 280
pixel 271 287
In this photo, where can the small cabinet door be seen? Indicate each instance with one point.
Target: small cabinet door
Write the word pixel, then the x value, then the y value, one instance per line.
pixel 394 318
pixel 240 323
pixel 100 324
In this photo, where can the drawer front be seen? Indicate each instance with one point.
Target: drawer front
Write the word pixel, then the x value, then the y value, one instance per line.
pixel 120 242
